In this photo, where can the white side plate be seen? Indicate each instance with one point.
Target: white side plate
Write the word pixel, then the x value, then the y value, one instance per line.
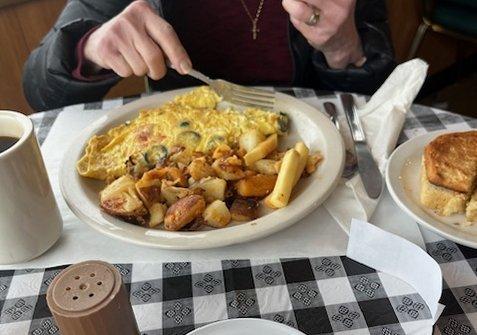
pixel 402 178
pixel 246 327
pixel 307 123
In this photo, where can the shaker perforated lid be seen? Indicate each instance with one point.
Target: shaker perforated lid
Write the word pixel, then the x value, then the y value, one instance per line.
pixel 90 298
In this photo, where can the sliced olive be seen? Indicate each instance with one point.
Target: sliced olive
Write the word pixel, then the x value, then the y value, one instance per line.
pixel 156 154
pixel 283 122
pixel 184 124
pixel 189 136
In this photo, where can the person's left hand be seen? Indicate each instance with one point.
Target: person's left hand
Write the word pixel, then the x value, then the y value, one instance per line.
pixel 334 33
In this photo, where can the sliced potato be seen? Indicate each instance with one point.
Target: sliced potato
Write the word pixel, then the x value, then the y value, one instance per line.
pixel 266 166
pixel 303 151
pixel 157 212
pixel 229 168
pixel 222 151
pixel 199 168
pixel 261 150
pixel 244 210
pixel 173 193
pixel 121 199
pixel 249 140
pixel 217 214
pixel 149 188
pixel 184 211
pixel 286 177
pixel 214 188
pixel 256 186
pixel 313 161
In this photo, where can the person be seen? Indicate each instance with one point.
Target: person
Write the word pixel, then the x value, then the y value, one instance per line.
pixel 323 44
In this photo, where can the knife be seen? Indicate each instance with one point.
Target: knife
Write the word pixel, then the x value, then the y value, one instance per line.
pixel 367 167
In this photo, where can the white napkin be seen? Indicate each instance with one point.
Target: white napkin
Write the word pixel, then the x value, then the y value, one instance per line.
pixel 382 118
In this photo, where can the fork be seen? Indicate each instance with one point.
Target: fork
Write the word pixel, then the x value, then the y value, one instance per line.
pixel 238 94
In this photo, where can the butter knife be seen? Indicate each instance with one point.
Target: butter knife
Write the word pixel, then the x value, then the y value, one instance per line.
pixel 367 167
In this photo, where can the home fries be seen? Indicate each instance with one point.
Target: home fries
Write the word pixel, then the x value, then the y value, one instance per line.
pixel 186 164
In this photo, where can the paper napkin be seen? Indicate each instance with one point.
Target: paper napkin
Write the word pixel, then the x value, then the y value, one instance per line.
pixel 382 118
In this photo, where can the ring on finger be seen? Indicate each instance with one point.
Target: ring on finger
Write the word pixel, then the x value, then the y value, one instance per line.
pixel 314 18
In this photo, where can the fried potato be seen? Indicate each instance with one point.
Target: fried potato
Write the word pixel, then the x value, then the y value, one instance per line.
pixel 121 199
pixel 261 150
pixel 256 186
pixel 229 168
pixel 244 209
pixel 313 161
pixel 303 151
pixel 266 166
pixel 214 188
pixel 157 212
pixel 286 177
pixel 173 193
pixel 184 211
pixel 222 151
pixel 217 214
pixel 199 168
pixel 251 139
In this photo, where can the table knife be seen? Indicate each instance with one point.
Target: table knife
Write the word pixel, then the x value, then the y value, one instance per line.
pixel 367 167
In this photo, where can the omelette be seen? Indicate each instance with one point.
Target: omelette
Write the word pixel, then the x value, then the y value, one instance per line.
pixel 191 121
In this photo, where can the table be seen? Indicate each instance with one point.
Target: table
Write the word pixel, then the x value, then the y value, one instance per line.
pixel 238 288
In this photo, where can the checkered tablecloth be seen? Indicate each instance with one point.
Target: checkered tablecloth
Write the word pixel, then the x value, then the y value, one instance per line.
pixel 316 295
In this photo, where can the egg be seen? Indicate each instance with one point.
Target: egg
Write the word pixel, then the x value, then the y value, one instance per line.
pixel 191 121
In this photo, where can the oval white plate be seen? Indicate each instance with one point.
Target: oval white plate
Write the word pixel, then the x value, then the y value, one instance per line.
pixel 307 123
pixel 402 179
pixel 246 327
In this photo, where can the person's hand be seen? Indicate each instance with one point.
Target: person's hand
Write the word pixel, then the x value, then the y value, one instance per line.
pixel 334 33
pixel 137 41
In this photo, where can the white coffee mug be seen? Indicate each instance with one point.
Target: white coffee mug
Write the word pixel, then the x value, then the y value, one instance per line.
pixel 30 222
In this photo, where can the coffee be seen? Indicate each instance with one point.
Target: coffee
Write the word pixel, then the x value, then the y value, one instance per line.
pixel 7 142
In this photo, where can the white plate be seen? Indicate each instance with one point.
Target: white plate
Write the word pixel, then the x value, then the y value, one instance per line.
pixel 246 327
pixel 307 123
pixel 402 178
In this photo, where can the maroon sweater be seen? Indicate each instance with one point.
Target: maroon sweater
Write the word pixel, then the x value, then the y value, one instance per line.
pixel 218 38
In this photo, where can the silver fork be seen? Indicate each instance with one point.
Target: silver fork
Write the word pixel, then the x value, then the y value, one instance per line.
pixel 237 94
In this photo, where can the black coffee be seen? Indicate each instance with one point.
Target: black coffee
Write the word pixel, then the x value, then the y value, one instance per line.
pixel 7 142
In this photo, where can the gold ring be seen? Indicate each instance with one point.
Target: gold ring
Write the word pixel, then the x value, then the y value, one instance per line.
pixel 313 20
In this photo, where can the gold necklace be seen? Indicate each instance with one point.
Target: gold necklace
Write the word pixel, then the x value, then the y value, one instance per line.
pixel 255 30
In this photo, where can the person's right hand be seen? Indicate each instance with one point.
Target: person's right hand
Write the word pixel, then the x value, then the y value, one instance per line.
pixel 137 41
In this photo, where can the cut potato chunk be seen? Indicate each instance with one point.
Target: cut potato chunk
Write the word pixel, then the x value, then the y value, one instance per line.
pixel 121 199
pixel 199 168
pixel 313 161
pixel 214 188
pixel 173 193
pixel 256 186
pixel 266 166
pixel 217 214
pixel 229 168
pixel 251 139
pixel 261 150
pixel 157 212
pixel 184 211
pixel 244 210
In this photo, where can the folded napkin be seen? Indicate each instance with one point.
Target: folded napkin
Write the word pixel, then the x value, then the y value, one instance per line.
pixel 382 119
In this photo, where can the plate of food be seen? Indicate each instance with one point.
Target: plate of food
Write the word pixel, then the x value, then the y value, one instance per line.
pixel 246 326
pixel 184 170
pixel 433 177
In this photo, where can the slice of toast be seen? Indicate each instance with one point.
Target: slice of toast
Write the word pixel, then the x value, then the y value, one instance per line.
pixel 451 161
pixel 471 211
pixel 441 200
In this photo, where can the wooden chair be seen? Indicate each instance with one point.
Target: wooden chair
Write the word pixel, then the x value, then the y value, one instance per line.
pixel 456 18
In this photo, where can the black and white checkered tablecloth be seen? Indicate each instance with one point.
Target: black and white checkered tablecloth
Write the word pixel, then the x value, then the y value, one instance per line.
pixel 316 295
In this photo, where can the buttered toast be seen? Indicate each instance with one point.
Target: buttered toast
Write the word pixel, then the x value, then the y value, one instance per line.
pixel 449 175
pixel 451 161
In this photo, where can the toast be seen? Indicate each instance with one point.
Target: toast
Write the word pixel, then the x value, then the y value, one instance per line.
pixel 441 200
pixel 451 161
